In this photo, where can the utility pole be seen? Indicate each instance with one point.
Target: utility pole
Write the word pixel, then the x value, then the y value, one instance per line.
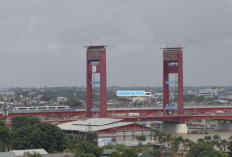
pixel 5 113
pixel 5 117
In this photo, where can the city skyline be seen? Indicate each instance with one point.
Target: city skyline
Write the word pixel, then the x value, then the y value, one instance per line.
pixel 42 42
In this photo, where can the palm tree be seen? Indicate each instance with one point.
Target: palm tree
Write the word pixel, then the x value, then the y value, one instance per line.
pixel 156 135
pixel 223 145
pixel 216 141
pixel 168 139
pixel 208 139
pixel 200 140
pixel 176 141
pixel 186 143
pixel 229 147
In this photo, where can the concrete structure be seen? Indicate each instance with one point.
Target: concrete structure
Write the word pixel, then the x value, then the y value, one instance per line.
pixel 116 129
pixel 208 93
pixel 223 125
pixel 172 64
pixel 96 63
pixel 174 127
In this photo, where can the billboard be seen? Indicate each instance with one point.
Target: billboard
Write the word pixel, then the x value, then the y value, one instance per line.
pixel 104 141
pixel 132 93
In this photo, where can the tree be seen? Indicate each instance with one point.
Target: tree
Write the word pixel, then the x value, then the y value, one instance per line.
pixel 91 137
pixel 223 145
pixel 176 141
pixel 39 135
pixel 33 155
pixel 87 149
pixel 120 147
pixel 203 150
pixel 216 140
pixel 114 154
pixel 156 152
pixel 50 137
pixel 5 136
pixel 141 138
pixel 129 152
pixel 18 122
pixel 187 143
pixel 168 138
pixel 229 147
pixel 156 135
pixel 71 142
pixel 73 103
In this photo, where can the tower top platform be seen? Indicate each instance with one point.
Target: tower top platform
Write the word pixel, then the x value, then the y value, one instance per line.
pixel 172 48
pixel 95 46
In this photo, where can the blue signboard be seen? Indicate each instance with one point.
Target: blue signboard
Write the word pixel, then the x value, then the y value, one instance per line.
pixel 132 93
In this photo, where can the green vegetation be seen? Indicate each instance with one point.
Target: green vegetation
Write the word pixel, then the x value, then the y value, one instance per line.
pixel 141 138
pixel 88 149
pixel 192 98
pixel 19 122
pixel 203 149
pixel 33 155
pixel 29 133
pixel 5 136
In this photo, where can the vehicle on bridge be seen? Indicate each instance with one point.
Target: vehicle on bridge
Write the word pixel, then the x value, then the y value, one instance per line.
pixel 41 108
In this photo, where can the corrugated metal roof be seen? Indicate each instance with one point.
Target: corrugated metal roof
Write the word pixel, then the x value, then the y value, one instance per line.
pixel 95 124
pixel 21 152
pixel 59 155
pixel 97 121
pixel 7 154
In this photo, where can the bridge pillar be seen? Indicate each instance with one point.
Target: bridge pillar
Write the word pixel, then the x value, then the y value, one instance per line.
pixel 96 63
pixel 174 127
pixel 223 125
pixel 173 64
pixel 148 124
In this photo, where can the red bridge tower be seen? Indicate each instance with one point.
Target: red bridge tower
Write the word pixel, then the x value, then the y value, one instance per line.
pixel 96 63
pixel 172 64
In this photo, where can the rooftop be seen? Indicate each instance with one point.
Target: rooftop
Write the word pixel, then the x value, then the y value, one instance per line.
pixel 21 152
pixel 95 124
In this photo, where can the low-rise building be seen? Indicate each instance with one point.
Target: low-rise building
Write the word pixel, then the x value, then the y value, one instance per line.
pixel 61 99
pixel 114 129
pixel 225 95
pixel 208 93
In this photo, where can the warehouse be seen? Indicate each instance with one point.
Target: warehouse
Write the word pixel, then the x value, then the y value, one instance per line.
pixel 110 130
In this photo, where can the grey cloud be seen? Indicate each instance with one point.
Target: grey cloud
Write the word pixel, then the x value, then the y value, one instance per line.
pixel 41 42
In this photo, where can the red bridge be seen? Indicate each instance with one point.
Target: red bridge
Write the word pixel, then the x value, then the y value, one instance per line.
pixel 142 114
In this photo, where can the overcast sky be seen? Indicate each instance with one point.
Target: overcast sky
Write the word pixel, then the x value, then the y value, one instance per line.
pixel 41 41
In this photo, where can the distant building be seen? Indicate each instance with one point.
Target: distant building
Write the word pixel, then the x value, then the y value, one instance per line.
pixel 140 99
pixel 61 99
pixel 191 93
pixel 208 93
pixel 225 95
pixel 106 128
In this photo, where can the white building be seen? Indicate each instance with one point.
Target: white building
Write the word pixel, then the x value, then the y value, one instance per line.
pixel 208 93
pixel 61 99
